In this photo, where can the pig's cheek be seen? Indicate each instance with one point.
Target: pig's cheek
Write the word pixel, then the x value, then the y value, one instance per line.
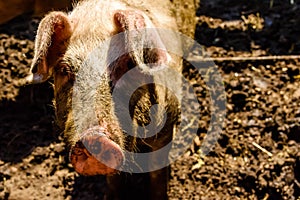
pixel 60 81
pixel 96 155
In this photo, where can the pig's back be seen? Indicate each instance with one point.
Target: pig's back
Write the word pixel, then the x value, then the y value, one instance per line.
pixel 97 16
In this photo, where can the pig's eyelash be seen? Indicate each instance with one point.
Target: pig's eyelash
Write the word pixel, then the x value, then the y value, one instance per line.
pixel 63 69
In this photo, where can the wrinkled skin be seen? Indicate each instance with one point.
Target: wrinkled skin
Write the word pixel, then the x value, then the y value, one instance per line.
pixel 94 133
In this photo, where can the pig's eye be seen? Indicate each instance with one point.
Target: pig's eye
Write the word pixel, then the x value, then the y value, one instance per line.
pixel 64 70
pixel 63 74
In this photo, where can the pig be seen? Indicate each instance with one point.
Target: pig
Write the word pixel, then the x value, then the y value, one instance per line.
pixel 98 142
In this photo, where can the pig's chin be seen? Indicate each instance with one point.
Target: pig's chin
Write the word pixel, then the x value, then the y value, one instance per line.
pixel 96 154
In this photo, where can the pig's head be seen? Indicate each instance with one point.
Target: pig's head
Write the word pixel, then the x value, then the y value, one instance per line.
pixel 60 49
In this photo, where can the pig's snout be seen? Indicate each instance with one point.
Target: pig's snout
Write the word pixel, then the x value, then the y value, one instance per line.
pixel 96 154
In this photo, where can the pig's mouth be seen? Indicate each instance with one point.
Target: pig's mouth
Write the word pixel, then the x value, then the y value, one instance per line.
pixel 96 154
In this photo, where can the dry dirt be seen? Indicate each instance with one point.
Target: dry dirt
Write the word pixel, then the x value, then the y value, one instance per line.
pixel 257 155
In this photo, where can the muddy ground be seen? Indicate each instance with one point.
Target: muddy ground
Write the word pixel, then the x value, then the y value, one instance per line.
pixel 257 155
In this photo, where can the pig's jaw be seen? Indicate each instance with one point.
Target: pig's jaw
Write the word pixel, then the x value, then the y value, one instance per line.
pixel 96 154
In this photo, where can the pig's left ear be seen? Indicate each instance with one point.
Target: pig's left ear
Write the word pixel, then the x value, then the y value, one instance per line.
pixel 142 41
pixel 52 33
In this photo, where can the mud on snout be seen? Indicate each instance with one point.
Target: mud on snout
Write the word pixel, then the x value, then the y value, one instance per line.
pixel 95 153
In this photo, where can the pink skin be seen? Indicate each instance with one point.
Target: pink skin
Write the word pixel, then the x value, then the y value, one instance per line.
pixel 95 154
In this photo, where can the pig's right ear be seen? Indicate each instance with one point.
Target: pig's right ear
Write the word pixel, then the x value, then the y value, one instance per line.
pixel 53 32
pixel 150 49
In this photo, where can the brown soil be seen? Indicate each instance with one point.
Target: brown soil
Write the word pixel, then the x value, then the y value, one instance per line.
pixel 257 155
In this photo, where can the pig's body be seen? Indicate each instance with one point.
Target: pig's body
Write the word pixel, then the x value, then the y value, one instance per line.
pixel 63 44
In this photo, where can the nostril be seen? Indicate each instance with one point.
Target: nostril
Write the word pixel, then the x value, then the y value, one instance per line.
pixel 106 156
pixel 95 148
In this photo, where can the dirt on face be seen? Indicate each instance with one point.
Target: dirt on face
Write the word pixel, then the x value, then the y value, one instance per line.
pixel 257 155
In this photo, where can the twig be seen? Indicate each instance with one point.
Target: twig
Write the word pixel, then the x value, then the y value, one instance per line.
pixel 266 197
pixel 12 140
pixel 262 149
pixel 297 183
pixel 252 58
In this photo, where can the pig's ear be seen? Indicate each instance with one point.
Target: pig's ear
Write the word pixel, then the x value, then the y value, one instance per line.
pixel 142 41
pixel 52 33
